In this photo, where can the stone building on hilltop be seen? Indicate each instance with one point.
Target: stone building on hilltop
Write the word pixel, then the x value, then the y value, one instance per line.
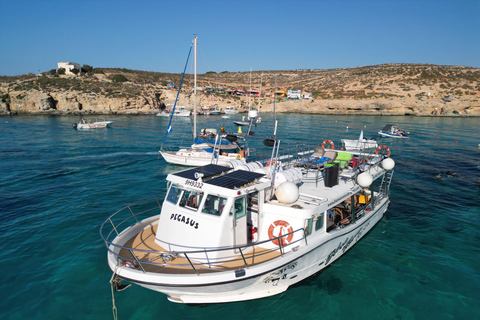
pixel 68 66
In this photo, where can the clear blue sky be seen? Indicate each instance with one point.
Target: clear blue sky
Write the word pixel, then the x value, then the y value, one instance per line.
pixel 237 35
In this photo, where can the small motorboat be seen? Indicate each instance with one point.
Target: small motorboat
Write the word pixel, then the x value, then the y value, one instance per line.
pixel 231 110
pixel 180 111
pixel 87 124
pixel 253 118
pixel 360 144
pixel 392 131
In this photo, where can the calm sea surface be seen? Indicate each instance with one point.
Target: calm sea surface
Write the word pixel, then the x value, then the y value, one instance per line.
pixel 57 185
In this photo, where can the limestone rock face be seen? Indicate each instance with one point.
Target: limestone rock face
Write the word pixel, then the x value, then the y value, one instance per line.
pixel 4 107
pixel 80 103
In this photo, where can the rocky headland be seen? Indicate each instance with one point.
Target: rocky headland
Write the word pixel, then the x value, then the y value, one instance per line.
pixel 389 89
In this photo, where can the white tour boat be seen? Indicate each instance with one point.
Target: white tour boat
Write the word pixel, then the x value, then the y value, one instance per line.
pixel 87 124
pixel 225 234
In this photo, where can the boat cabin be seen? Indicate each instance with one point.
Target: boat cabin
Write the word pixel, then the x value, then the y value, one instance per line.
pixel 207 207
pixel 219 207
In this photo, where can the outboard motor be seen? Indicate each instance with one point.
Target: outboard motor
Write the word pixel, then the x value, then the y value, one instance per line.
pixel 74 126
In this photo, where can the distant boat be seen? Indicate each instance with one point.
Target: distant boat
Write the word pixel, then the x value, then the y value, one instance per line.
pixel 231 110
pixel 87 124
pixel 392 131
pixel 253 118
pixel 359 144
pixel 180 111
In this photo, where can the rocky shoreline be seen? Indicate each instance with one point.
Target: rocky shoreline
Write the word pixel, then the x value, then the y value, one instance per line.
pixel 387 90
pixel 70 103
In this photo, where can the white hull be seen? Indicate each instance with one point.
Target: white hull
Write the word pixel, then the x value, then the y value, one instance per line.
pixel 259 281
pixel 94 125
pixel 359 145
pixel 230 111
pixel 176 114
pixel 386 134
pixel 195 158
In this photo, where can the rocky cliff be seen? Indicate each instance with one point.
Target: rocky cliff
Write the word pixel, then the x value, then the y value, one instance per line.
pixel 405 89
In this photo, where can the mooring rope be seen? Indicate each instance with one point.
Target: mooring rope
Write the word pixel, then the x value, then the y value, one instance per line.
pixel 114 308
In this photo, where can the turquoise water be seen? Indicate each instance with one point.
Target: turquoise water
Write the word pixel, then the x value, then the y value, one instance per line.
pixel 57 185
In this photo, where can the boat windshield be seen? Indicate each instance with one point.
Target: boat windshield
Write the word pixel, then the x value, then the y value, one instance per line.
pixel 214 205
pixel 174 194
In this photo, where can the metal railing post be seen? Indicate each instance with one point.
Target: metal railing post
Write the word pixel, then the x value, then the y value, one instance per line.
pixel 138 262
pixel 132 214
pixel 243 257
pixel 113 226
pixel 193 267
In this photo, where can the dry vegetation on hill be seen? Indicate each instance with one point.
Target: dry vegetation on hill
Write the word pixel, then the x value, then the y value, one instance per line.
pixel 331 89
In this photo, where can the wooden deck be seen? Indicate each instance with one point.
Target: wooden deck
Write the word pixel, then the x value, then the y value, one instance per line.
pixel 145 240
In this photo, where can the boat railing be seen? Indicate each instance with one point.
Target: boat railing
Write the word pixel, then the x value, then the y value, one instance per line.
pixel 133 213
pixel 197 260
pixel 361 211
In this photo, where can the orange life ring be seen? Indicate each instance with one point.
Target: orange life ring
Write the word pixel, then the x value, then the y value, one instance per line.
pixel 270 162
pixel 283 241
pixel 328 141
pixel 383 147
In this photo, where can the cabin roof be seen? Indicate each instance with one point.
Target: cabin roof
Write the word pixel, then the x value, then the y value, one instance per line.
pixel 230 180
pixel 208 171
pixel 235 179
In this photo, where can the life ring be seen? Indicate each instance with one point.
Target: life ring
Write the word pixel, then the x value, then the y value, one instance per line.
pixel 383 147
pixel 283 241
pixel 328 141
pixel 270 163
pixel 238 157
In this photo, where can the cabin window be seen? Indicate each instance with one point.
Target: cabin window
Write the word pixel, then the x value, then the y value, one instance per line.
pixel 191 199
pixel 238 208
pixel 214 205
pixel 308 226
pixel 319 222
pixel 174 194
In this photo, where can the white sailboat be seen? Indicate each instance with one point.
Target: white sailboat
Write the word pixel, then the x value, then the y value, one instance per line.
pixel 201 152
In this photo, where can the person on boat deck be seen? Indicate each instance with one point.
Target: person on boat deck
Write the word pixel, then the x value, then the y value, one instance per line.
pixel 83 120
pixel 223 152
pixel 242 153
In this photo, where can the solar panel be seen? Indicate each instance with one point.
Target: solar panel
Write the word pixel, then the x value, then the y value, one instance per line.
pixel 235 179
pixel 207 171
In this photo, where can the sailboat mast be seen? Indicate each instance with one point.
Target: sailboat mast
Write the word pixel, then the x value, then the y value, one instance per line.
pixel 250 92
pixel 260 95
pixel 195 87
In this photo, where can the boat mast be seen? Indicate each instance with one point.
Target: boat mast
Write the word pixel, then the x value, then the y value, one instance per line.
pixel 250 92
pixel 260 96
pixel 275 98
pixel 195 87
